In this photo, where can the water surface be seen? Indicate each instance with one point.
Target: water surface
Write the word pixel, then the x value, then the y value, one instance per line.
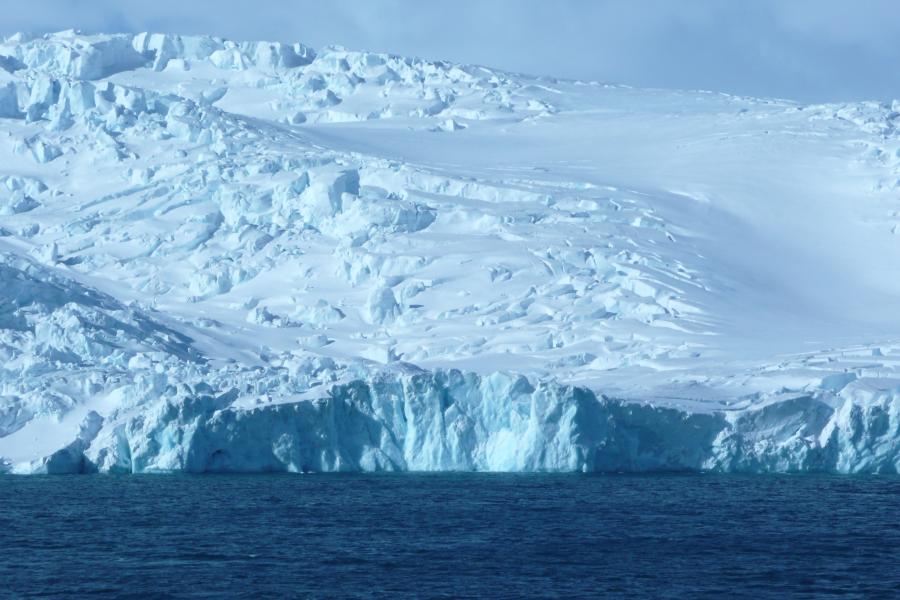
pixel 450 536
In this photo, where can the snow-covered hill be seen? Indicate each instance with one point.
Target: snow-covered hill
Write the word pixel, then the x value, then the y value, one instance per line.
pixel 255 256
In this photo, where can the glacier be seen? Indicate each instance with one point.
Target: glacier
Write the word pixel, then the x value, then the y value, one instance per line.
pixel 257 256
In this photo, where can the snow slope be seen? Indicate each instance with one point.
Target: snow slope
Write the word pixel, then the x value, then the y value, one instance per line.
pixel 255 256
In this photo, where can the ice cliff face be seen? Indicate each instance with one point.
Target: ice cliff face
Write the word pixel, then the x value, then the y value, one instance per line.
pixel 255 256
pixel 450 421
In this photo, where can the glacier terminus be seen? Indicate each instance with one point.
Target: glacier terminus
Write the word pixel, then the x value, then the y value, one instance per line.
pixel 254 256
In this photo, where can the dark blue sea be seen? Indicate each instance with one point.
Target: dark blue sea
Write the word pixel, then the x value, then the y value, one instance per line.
pixel 450 536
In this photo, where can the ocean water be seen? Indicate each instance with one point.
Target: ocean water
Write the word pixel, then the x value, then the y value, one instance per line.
pixel 450 536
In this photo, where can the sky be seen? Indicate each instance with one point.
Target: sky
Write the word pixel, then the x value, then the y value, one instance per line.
pixel 805 50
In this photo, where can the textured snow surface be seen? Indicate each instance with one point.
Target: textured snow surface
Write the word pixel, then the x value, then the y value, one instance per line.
pixel 255 256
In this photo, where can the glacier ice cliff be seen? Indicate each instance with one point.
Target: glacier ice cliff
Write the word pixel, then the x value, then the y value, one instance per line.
pixel 256 256
pixel 451 421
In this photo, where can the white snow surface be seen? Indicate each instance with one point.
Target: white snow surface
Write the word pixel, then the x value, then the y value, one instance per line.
pixel 222 256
